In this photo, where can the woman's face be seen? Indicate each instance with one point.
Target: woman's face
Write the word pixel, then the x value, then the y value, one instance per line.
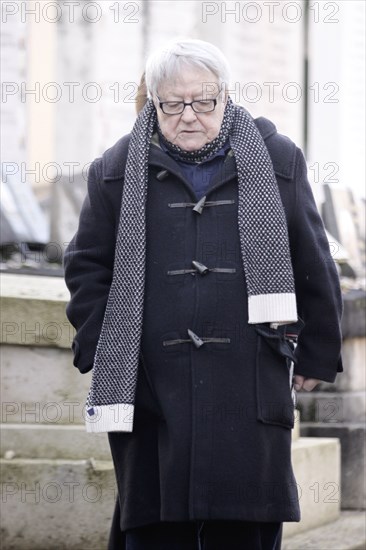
pixel 190 130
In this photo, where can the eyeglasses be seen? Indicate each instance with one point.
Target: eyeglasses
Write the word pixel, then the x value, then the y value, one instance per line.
pixel 177 107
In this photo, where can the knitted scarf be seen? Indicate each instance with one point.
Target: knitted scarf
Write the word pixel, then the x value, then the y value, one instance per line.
pixel 264 250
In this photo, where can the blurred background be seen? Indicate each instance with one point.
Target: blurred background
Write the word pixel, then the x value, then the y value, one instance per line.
pixel 70 72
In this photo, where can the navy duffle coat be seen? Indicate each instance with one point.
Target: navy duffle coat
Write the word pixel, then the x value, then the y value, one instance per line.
pixel 214 409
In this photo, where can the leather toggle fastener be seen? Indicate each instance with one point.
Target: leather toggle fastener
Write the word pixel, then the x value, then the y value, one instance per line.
pixel 201 268
pixel 199 205
pixel 162 175
pixel 195 339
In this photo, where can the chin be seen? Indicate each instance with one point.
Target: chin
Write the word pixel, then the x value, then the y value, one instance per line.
pixel 191 144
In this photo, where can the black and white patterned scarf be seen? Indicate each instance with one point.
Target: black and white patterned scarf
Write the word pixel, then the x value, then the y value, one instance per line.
pixel 264 249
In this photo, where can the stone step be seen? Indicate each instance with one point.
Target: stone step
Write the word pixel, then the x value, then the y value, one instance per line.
pixel 345 533
pixel 33 311
pixel 353 457
pixel 59 504
pixel 52 442
pixel 40 385
pixel 316 464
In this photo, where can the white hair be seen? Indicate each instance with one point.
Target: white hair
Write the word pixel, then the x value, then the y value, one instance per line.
pixel 166 62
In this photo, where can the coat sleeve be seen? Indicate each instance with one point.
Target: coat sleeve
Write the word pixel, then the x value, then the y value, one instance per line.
pixel 318 292
pixel 88 265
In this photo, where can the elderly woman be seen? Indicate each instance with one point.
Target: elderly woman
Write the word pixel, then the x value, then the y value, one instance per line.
pixel 204 295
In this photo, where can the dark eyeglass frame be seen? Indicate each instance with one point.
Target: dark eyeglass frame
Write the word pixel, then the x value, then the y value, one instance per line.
pixel 191 104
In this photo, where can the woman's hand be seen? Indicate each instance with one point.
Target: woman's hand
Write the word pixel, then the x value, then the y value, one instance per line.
pixel 302 383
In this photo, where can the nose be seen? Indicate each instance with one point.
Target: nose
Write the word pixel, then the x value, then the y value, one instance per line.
pixel 188 114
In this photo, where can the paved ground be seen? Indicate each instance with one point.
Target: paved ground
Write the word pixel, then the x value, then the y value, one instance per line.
pixel 347 533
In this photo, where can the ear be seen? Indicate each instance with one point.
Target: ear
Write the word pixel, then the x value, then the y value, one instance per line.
pixel 156 102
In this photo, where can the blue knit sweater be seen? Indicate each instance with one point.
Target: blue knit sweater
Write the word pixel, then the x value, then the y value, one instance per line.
pixel 200 175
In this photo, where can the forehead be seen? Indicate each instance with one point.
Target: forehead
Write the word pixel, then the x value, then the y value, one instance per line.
pixel 190 81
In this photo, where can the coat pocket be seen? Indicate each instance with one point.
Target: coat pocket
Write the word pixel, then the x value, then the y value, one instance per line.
pixel 274 358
